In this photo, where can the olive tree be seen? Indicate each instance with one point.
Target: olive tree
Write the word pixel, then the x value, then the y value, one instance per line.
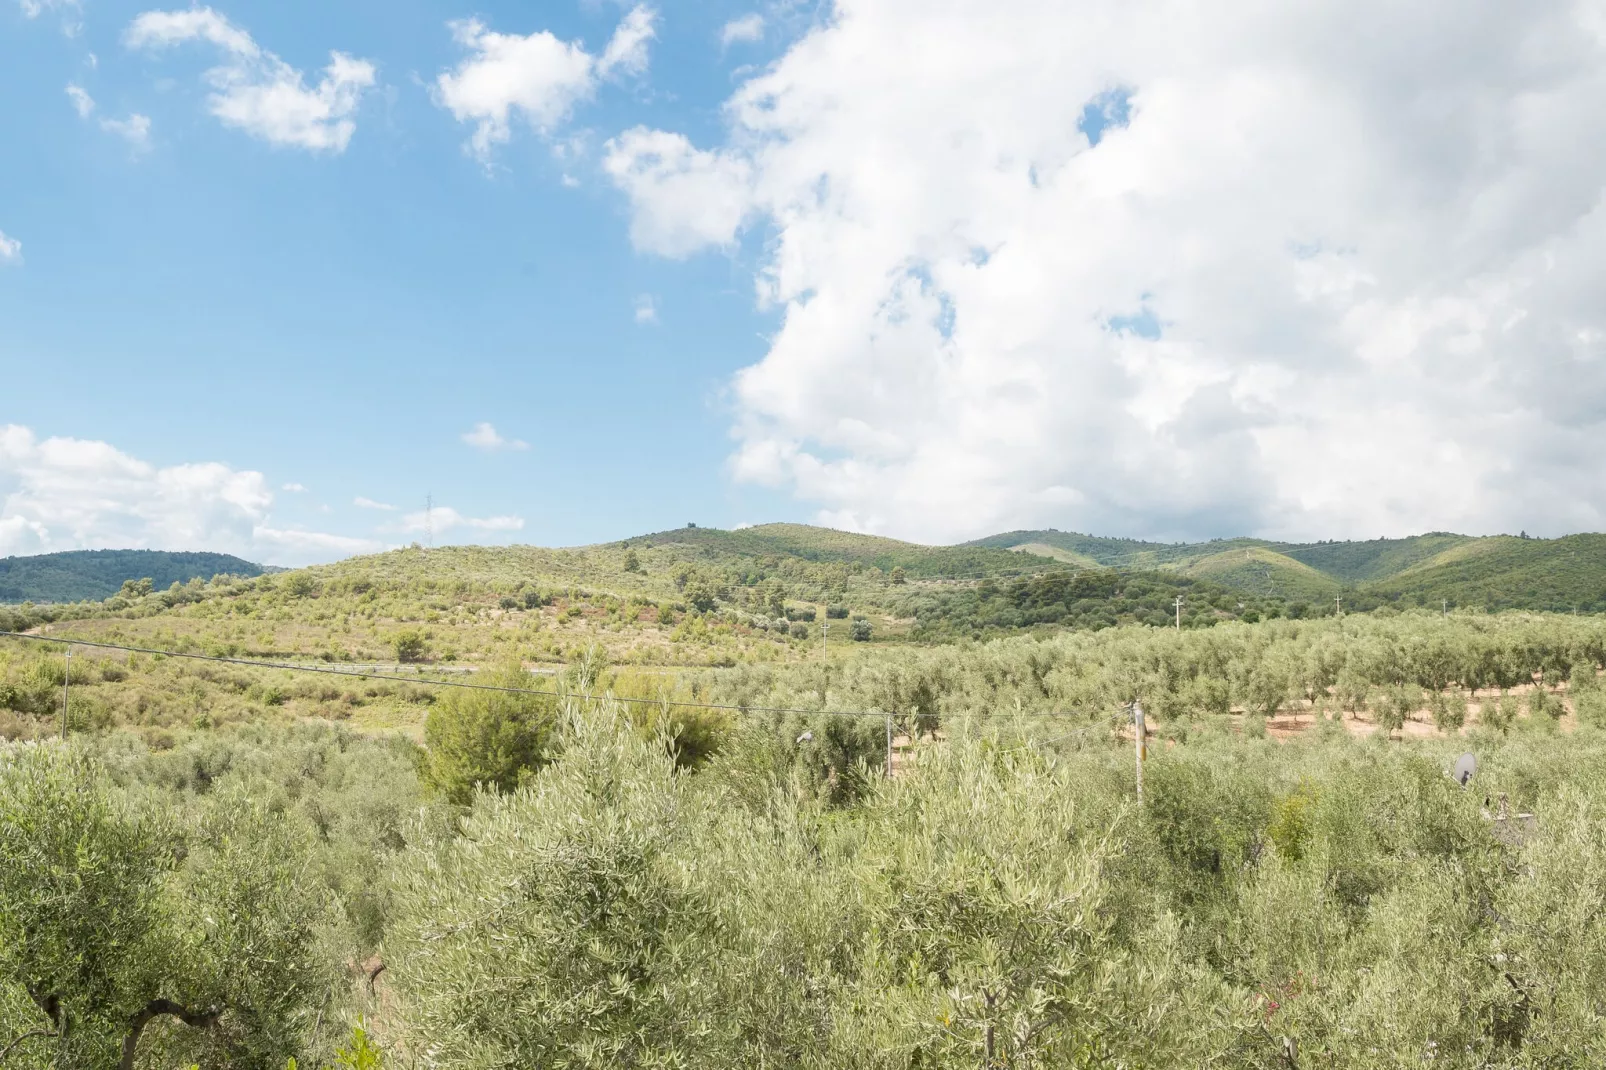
pixel 115 916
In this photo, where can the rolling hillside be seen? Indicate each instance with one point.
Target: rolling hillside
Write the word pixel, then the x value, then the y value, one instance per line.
pixel 1360 562
pixel 1492 572
pixel 1262 571
pixel 1503 572
pixel 76 575
pixel 706 596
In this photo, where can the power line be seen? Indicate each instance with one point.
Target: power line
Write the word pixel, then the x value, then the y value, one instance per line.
pixel 351 674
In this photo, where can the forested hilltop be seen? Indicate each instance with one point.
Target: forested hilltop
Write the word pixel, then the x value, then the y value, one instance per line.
pixel 75 575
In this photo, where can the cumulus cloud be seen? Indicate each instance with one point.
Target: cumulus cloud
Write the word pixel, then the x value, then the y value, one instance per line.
pixel 369 503
pixel 536 75
pixel 485 437
pixel 68 494
pixel 256 91
pixel 443 518
pixel 683 198
pixel 1133 267
pixel 749 27
pixel 293 488
pixel 646 310
pixel 10 249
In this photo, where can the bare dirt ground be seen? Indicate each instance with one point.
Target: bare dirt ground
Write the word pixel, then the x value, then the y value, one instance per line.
pixel 1292 721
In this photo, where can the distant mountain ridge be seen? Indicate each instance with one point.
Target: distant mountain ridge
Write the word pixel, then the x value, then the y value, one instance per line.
pixel 1232 575
pixel 76 575
pixel 1494 571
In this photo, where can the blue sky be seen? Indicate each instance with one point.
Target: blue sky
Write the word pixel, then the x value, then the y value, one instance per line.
pixel 928 270
pixel 339 320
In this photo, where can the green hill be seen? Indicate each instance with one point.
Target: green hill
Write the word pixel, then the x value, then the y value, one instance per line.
pixel 1503 572
pixel 804 543
pixel 1494 572
pixel 1359 562
pixel 1112 552
pixel 75 575
pixel 1264 572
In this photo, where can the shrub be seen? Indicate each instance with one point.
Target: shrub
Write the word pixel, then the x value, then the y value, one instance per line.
pixel 1590 706
pixel 861 631
pixel 410 645
pixel 1542 703
pixel 836 612
pixel 488 739
pixel 1499 713
pixel 1449 711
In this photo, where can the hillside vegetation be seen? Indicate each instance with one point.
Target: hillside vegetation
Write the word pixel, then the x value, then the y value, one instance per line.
pixel 699 596
pixel 1494 573
pixel 691 834
pixel 75 575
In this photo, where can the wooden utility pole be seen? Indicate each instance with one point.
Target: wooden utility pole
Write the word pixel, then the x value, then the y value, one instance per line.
pixel 889 745
pixel 66 683
pixel 1139 741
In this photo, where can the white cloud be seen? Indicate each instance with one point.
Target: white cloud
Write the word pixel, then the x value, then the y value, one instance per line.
pixel 485 437
pixel 683 198
pixel 136 129
pixel 256 91
pixel 293 488
pixel 1143 268
pixel 369 503
pixel 67 493
pixel 10 249
pixel 627 48
pixel 646 309
pixel 536 75
pixel 749 27
pixel 82 102
pixel 443 518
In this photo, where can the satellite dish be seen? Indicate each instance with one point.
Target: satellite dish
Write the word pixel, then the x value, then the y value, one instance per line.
pixel 806 737
pixel 1465 766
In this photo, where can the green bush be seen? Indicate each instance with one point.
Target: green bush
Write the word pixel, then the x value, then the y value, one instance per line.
pixel 488 739
pixel 410 645
pixel 1590 706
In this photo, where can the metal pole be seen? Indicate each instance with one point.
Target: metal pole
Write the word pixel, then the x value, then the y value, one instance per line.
pixel 66 683
pixel 1179 612
pixel 1139 742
